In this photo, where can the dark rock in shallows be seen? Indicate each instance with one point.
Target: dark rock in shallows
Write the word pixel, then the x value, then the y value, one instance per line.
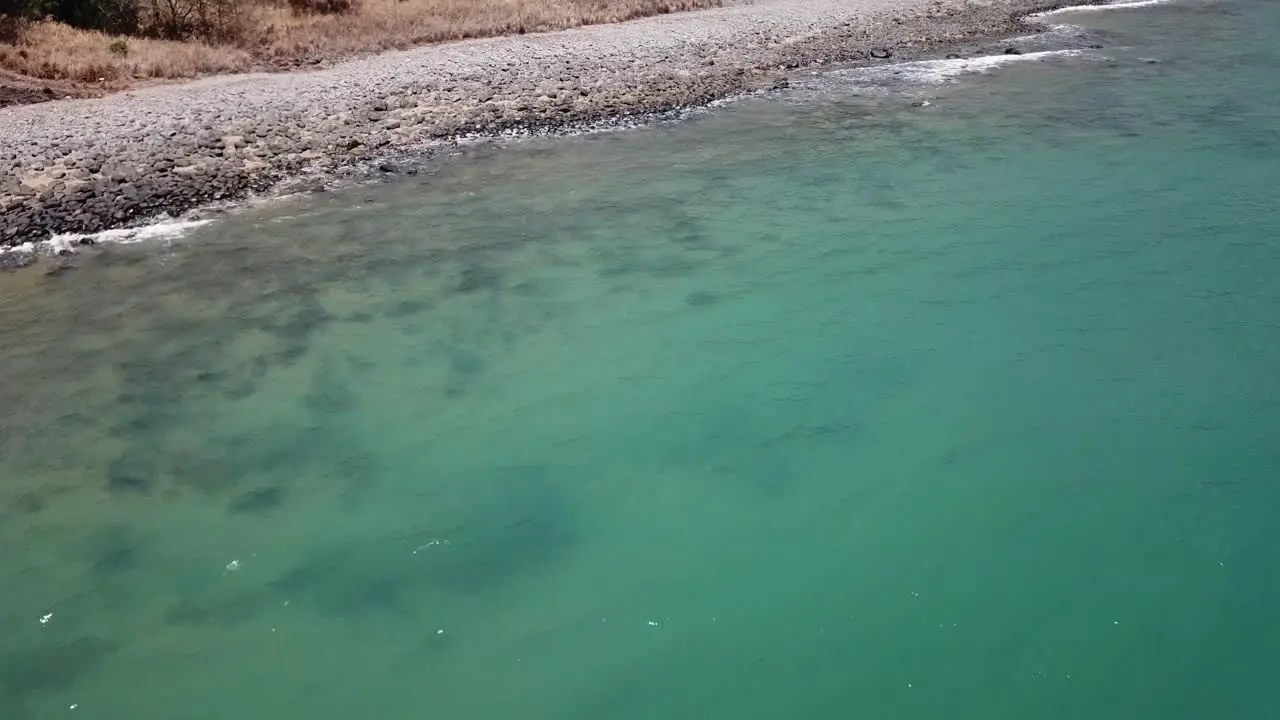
pixel 700 298
pixel 262 500
pixel 1012 51
pixel 61 268
pixel 881 53
pixel 16 260
pixel 127 478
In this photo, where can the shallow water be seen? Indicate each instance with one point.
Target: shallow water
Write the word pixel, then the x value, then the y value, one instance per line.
pixel 823 406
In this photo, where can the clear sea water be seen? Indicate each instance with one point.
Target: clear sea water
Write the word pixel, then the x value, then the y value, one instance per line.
pixel 832 405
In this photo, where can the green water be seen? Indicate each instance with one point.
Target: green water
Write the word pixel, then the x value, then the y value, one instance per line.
pixel 825 406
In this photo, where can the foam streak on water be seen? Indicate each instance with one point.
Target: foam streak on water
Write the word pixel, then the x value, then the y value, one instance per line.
pixel 933 72
pixel 162 230
pixel 63 243
pixel 1133 5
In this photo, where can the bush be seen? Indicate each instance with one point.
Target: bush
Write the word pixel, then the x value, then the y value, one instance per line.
pixel 113 16
pixel 324 7
pixel 211 20
pixel 21 8
pixel 119 47
pixel 10 22
pixel 214 20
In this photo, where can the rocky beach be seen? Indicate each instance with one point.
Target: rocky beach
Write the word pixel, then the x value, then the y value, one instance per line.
pixel 83 166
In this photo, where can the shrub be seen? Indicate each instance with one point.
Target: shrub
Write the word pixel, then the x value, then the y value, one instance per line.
pixel 113 16
pixel 119 47
pixel 215 20
pixel 21 8
pixel 323 7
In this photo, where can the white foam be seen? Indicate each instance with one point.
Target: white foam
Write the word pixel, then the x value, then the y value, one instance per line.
pixel 1051 31
pixel 167 230
pixel 1134 4
pixel 936 72
pixel 25 248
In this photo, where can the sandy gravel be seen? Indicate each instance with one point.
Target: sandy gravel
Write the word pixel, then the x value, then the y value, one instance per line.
pixel 87 165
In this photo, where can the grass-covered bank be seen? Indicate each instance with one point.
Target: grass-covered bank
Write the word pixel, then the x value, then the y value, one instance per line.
pixel 111 44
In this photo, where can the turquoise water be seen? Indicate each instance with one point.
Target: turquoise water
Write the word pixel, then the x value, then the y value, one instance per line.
pixel 825 406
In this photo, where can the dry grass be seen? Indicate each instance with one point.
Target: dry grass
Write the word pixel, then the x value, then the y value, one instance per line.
pixel 53 51
pixel 387 24
pixel 281 37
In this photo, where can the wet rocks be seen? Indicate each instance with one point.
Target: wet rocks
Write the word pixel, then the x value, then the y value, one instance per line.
pixel 12 258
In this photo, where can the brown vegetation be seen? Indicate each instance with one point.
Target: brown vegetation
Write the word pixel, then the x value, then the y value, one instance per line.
pixel 219 36
pixel 53 51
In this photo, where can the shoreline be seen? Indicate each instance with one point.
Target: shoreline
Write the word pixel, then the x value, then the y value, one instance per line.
pixel 85 166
